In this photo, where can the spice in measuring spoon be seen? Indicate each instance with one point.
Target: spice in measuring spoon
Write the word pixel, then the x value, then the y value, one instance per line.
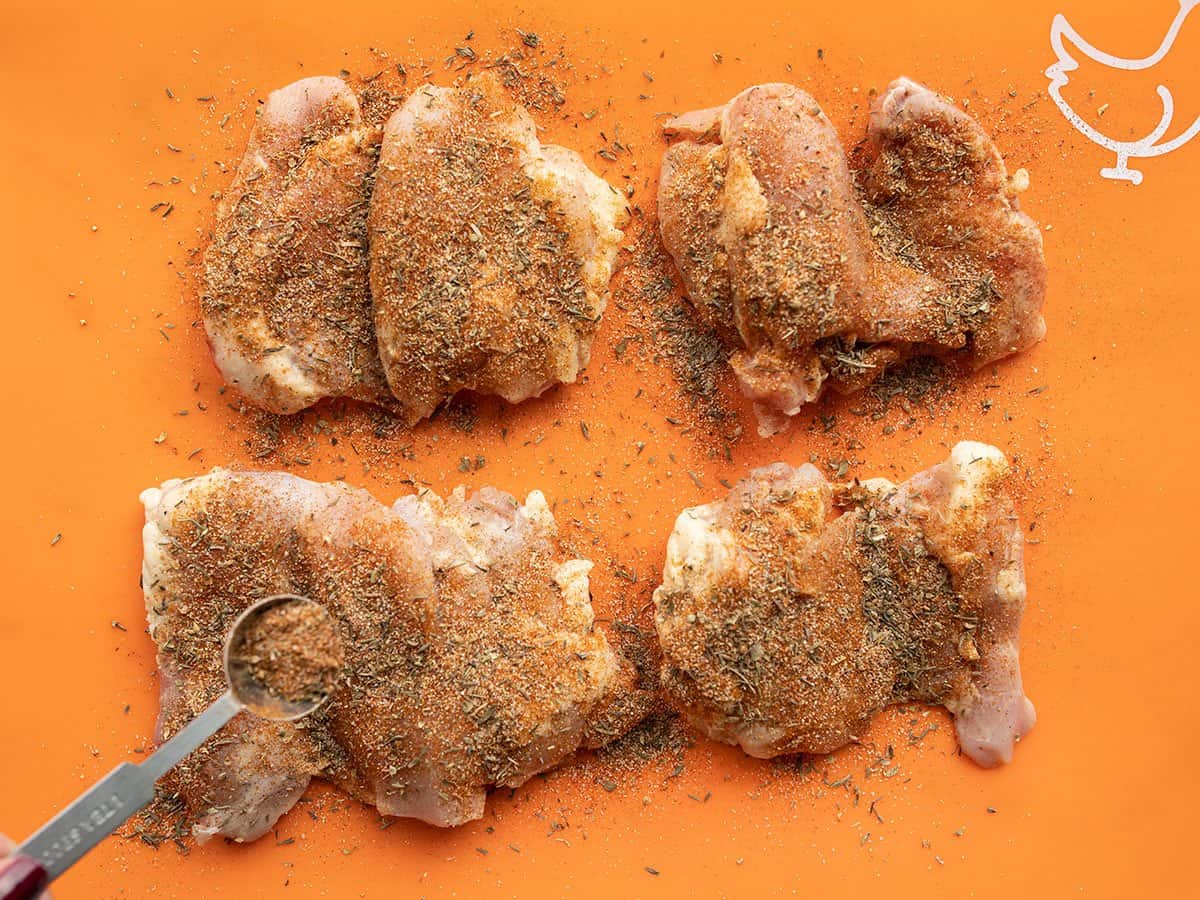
pixel 283 658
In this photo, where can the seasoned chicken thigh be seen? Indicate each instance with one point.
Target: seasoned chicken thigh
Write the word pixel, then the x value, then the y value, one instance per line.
pixel 489 261
pixel 490 253
pixel 285 299
pixel 471 656
pixel 786 626
pixel 816 277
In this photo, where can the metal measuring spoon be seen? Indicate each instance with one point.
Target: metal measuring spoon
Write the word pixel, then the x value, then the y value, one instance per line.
pixel 128 788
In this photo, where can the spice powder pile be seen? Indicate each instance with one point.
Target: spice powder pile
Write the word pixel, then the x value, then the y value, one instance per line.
pixel 292 651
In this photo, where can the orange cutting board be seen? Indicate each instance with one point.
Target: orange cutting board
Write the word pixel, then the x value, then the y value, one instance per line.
pixel 107 170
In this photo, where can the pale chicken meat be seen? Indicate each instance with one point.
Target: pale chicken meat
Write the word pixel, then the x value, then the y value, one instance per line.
pixel 793 610
pixel 471 656
pixel 819 274
pixel 490 252
pixel 285 297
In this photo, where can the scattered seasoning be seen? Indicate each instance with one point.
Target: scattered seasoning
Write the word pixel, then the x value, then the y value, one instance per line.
pixel 652 870
pixel 54 540
pixel 532 40
pixel 117 625
pixel 461 414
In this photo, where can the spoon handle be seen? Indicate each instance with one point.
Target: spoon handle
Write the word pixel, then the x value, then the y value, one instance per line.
pixel 109 803
pixel 190 736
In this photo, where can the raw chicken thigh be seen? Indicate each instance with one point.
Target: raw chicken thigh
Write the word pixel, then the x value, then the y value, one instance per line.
pixel 786 626
pixel 490 253
pixel 488 263
pixel 285 299
pixel 817 276
pixel 471 655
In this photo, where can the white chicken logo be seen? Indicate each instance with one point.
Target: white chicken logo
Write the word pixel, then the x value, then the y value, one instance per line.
pixel 1065 39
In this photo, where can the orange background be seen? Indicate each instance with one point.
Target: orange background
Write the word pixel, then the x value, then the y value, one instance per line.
pixel 102 353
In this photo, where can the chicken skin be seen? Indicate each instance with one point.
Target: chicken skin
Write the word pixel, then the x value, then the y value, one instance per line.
pixel 487 268
pixel 285 300
pixel 490 253
pixel 816 275
pixel 471 658
pixel 785 626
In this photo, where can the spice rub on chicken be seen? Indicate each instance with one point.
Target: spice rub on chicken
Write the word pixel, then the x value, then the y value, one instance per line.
pixel 793 610
pixel 490 252
pixel 481 256
pixel 470 654
pixel 285 297
pixel 819 275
